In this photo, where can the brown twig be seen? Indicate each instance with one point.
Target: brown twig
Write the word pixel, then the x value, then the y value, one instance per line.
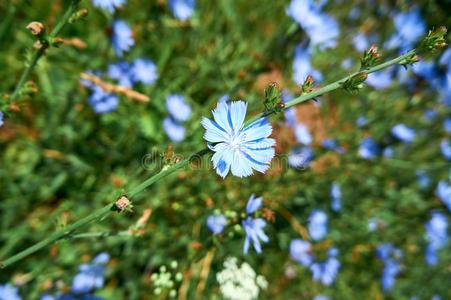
pixel 111 88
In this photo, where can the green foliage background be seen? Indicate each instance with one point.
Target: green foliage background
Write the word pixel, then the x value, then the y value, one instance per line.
pixel 59 161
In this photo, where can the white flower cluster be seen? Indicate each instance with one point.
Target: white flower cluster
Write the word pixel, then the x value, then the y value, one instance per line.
pixel 240 282
pixel 163 280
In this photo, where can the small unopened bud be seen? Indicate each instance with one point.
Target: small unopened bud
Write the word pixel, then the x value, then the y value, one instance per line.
pixel 307 86
pixel 272 96
pixel 123 203
pixel 82 13
pixel 370 57
pixel 36 28
pixel 57 41
pixel 355 83
pixel 434 40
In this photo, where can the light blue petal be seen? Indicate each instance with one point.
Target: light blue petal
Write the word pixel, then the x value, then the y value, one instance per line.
pixel 220 114
pixel 253 204
pixel 241 166
pixel 257 130
pixel 214 133
pixel 237 112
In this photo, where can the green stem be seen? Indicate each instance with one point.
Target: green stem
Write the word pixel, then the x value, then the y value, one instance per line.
pixel 105 211
pixel 40 52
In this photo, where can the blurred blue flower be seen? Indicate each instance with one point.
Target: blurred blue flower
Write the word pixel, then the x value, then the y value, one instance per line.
pixel 445 147
pixel 317 226
pixel 122 37
pixel 254 232
pixel 102 102
pixel 403 133
pixel 121 71
pixel 361 121
pixel 331 144
pixel 174 130
pixel 389 255
pixel 326 271
pixel 9 292
pixel 300 251
pixel 361 42
pixel 422 178
pixel 300 157
pixel 290 113
pixel 372 224
pixel 178 108
pixel 389 273
pixel 445 59
pixel 335 195
pixel 1 118
pixel 443 192
pixel 322 29
pixel 216 223
pixel 388 152
pixel 430 114
pixel 144 71
pixel 425 69
pixel 380 80
pixel 90 276
pixel 182 9
pixel 368 148
pixel 253 204
pixel 302 134
pixel 302 66
pixel 321 297
pixel 409 27
pixel 436 233
pixel 446 124
pixel 238 148
pixel 109 5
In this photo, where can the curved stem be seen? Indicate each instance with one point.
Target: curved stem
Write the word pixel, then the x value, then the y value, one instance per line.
pixel 40 52
pixel 105 211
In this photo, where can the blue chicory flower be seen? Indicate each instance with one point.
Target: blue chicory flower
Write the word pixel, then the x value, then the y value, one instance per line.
pixel 446 125
pixel 254 233
pixel 409 27
pixel 368 148
pixel 403 133
pixel 317 226
pixel 380 80
pixel 443 192
pixel 326 271
pixel 1 119
pixel 322 29
pixel 372 224
pixel 102 102
pixel 238 148
pixel 302 134
pixel 390 256
pixel 175 131
pixel 109 5
pixel 122 72
pixel 90 276
pixel 300 157
pixel 436 233
pixel 331 144
pixel 216 223
pixel 423 179
pixel 361 42
pixel 388 152
pixel 122 37
pixel 144 70
pixel 361 121
pixel 178 108
pixel 302 66
pixel 9 292
pixel 253 204
pixel 300 251
pixel 321 297
pixel 335 194
pixel 182 9
pixel 445 147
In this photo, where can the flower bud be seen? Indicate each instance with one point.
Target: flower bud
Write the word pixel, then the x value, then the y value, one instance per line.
pixel 355 83
pixel 123 203
pixel 307 86
pixel 36 28
pixel 370 57
pixel 82 13
pixel 272 97
pixel 434 40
